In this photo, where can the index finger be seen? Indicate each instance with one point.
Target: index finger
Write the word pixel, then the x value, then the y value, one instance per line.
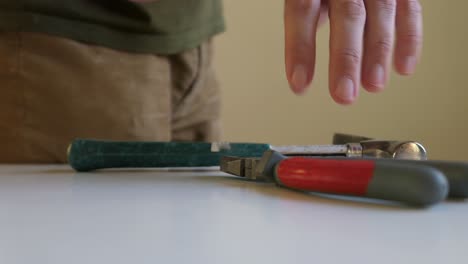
pixel 300 25
pixel 409 30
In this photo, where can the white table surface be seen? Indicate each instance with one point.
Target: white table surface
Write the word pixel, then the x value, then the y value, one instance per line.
pixel 50 214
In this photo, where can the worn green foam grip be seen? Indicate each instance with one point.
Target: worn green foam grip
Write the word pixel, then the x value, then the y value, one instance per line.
pixel 88 154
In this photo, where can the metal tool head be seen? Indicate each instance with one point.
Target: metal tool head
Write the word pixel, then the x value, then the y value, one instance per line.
pixel 409 150
pixel 258 169
pixel 242 167
pixel 374 148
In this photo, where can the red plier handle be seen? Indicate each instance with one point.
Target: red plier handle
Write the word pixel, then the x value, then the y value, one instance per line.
pixel 382 179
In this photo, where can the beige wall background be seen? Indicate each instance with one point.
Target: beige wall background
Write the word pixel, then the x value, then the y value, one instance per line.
pixel 430 107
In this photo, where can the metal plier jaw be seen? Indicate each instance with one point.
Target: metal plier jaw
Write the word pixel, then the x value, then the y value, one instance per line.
pixel 256 169
pixel 242 167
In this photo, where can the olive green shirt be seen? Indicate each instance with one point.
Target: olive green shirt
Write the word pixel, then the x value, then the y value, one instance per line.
pixel 162 27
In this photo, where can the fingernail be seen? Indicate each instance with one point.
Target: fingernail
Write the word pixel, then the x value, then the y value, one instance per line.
pixel 377 76
pixel 409 63
pixel 345 90
pixel 299 78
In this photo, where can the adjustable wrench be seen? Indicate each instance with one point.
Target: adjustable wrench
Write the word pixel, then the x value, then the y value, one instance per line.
pixel 87 154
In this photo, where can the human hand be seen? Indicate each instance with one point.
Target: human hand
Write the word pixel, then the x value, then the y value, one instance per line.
pixel 362 34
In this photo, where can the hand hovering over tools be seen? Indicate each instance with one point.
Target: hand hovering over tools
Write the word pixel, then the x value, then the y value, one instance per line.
pixel 362 33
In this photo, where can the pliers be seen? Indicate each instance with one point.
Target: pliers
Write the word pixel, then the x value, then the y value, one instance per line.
pixel 374 178
pixel 412 181
pixel 456 172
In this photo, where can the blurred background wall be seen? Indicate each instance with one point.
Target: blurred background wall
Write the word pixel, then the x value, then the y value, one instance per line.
pixel 430 106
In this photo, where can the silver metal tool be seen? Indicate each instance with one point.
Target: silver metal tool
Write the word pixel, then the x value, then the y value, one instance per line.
pixel 368 148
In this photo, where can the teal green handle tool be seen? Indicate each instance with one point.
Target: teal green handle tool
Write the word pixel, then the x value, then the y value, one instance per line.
pixel 88 154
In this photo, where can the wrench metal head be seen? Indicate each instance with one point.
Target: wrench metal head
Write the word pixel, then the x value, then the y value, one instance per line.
pixel 410 150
